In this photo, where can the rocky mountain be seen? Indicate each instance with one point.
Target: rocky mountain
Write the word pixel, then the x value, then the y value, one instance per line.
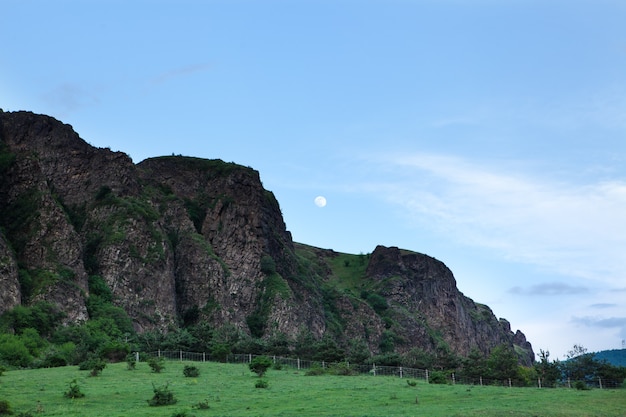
pixel 181 240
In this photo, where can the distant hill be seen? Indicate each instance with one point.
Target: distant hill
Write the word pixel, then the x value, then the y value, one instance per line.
pixel 616 357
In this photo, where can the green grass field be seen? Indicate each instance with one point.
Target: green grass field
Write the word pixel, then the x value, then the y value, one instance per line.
pixel 229 390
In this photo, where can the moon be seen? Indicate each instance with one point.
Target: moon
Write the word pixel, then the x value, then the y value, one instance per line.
pixel 320 201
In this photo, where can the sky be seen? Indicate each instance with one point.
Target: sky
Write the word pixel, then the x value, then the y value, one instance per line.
pixel 488 134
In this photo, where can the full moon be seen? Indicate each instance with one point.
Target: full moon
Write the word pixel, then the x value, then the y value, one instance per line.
pixel 320 201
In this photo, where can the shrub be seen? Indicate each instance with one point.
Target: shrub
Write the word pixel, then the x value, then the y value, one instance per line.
pixel 580 385
pixel 202 405
pixel 97 367
pixel 260 365
pixel 411 382
pixel 74 391
pixel 341 368
pixel 5 408
pixel 438 377
pixel 261 383
pixel 315 370
pixel 131 362
pixel 182 414
pixel 156 364
pixel 2 370
pixel 191 371
pixel 162 396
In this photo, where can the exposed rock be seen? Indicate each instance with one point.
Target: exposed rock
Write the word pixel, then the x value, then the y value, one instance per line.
pixel 180 240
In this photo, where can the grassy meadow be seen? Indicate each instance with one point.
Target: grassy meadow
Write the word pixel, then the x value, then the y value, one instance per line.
pixel 229 390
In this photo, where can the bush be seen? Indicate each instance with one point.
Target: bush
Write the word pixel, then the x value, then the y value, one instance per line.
pixel 341 368
pixel 156 364
pixel 261 383
pixel 315 371
pixel 74 391
pixel 131 362
pixel 260 365
pixel 5 408
pixel 191 371
pixel 202 405
pixel 580 385
pixel 438 377
pixel 162 396
pixel 98 367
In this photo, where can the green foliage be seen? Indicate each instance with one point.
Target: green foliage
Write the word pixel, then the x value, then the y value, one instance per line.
pixel 13 351
pixel 438 377
pixel 115 351
pixel 202 405
pixel 162 396
pixel 41 316
pixel 156 364
pixel 581 385
pixel 377 302
pixel 131 362
pixel 260 365
pixel 98 367
pixel 261 383
pixel 74 391
pixel 502 363
pixel 268 266
pixel 5 408
pixel 341 368
pixel 191 371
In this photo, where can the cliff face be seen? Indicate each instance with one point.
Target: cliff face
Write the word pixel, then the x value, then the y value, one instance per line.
pixel 180 240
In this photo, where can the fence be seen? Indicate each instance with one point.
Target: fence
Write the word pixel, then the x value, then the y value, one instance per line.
pixel 373 369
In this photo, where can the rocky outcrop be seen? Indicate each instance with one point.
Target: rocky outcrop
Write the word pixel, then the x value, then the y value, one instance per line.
pixel 180 240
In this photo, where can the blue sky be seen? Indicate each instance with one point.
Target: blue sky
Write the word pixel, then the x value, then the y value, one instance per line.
pixel 488 134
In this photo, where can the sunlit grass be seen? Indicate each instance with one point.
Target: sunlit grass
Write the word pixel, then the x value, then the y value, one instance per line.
pixel 229 391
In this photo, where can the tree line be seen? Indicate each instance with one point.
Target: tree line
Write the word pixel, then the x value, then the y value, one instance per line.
pixel 30 336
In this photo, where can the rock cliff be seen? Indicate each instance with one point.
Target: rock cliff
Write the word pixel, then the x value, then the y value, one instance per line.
pixel 181 240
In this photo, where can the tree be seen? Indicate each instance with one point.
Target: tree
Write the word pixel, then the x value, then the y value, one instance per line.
pixel 548 371
pixel 260 365
pixel 475 365
pixel 502 363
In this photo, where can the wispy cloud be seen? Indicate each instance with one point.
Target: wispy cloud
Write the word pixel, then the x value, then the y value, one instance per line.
pixel 607 323
pixel 180 72
pixel 603 305
pixel 550 289
pixel 577 230
pixel 68 97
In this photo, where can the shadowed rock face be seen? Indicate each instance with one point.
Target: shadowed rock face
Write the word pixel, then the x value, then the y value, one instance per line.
pixel 180 240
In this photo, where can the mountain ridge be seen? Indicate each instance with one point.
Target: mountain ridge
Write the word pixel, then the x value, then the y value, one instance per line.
pixel 181 240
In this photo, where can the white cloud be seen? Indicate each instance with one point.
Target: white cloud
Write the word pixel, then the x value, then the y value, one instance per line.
pixel 578 230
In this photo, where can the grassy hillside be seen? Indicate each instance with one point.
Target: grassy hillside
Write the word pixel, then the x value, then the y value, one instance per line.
pixel 230 390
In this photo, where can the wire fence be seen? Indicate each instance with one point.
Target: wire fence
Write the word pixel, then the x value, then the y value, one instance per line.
pixel 375 370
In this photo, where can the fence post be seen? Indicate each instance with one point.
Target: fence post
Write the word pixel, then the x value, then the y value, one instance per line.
pixel 298 364
pixel 181 355
pixel 159 353
pixel 453 379
pixel 400 372
pixel 569 385
pixel 600 382
pixel 203 356
pixel 481 381
pixel 509 382
pixel 539 382
pixel 323 365
pixel 427 380
pixel 374 369
pixel 136 356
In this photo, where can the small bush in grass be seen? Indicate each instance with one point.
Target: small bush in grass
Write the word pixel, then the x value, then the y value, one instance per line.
pixel 260 365
pixel 5 408
pixel 191 371
pixel 162 396
pixel 315 370
pixel 2 370
pixel 411 382
pixel 97 367
pixel 261 383
pixel 202 405
pixel 156 364
pixel 341 368
pixel 74 391
pixel 131 362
